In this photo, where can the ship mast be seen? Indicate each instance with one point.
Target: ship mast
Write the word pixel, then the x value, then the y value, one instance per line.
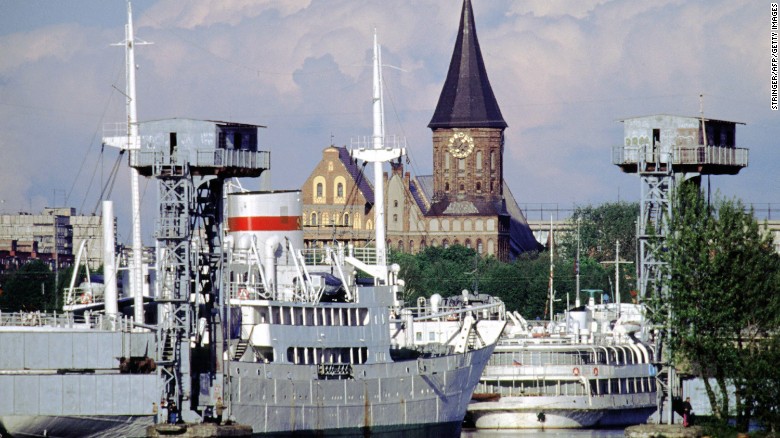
pixel 378 155
pixel 131 143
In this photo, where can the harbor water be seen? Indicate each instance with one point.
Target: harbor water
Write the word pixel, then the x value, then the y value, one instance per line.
pixel 548 433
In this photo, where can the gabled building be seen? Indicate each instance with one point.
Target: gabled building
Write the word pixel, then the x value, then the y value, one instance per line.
pixel 338 201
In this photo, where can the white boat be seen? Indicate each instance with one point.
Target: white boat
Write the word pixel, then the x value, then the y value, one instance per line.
pixel 587 370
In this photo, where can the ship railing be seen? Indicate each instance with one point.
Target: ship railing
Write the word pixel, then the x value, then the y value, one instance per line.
pixel 490 311
pixel 66 320
pixel 248 291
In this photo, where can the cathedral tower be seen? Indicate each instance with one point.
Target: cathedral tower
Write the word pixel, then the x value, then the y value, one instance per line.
pixel 468 128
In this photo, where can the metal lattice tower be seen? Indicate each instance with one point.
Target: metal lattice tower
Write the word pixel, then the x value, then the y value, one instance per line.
pixel 665 150
pixel 191 159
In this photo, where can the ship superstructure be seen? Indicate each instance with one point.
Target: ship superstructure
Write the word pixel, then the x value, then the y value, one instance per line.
pixel 588 368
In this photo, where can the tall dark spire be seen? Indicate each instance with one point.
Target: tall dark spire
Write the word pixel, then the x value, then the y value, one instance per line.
pixel 467 100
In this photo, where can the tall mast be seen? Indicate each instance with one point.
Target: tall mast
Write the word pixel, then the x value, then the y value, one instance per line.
pixel 379 143
pixel 378 154
pixel 136 287
pixel 131 143
pixel 552 269
pixel 577 261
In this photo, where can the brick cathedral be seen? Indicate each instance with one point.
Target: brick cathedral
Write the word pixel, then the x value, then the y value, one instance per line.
pixel 464 202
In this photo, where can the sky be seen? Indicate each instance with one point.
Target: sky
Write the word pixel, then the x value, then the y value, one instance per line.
pixel 564 73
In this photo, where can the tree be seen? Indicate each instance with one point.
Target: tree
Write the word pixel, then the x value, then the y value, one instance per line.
pixel 30 288
pixel 522 284
pixel 723 283
pixel 600 227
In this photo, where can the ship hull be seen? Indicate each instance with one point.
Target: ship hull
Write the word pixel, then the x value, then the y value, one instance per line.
pixel 419 396
pixel 562 412
pixel 85 426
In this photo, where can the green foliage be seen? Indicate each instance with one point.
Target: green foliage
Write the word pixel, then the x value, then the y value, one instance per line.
pixel 723 282
pixel 523 284
pixel 30 288
pixel 600 227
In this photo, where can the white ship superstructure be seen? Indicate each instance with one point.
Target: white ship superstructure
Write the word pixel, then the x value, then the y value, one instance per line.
pixel 588 370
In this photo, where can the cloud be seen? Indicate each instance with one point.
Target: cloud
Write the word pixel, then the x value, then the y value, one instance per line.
pixel 563 73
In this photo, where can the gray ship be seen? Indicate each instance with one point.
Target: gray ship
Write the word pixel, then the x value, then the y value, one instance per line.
pixel 242 324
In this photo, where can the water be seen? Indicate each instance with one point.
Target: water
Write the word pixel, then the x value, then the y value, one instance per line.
pixel 549 433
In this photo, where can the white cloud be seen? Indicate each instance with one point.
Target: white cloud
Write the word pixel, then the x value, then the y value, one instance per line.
pixel 563 73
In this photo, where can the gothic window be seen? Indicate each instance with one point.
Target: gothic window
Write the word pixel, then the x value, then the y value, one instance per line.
pixel 446 187
pixel 314 219
pixel 479 187
pixel 492 160
pixel 462 164
pixel 447 160
pixel 401 245
pixel 411 246
pixel 445 243
pixel 319 190
pixel 422 245
pixel 395 218
pixel 479 246
pixel 346 219
pixel 479 161
pixel 467 243
pixel 340 190
pixel 395 203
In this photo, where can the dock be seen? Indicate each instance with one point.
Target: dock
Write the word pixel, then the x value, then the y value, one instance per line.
pixel 199 430
pixel 663 430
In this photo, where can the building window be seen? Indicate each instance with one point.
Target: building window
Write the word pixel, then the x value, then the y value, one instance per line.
pixel 447 187
pixel 422 245
pixel 319 190
pixel 395 218
pixel 462 164
pixel 340 190
pixel 479 246
pixel 314 219
pixel 479 187
pixel 492 160
pixel 447 161
pixel 467 243
pixel 479 160
pixel 445 243
pixel 411 246
pixel 462 187
pixel 395 203
pixel 401 245
pixel 346 219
